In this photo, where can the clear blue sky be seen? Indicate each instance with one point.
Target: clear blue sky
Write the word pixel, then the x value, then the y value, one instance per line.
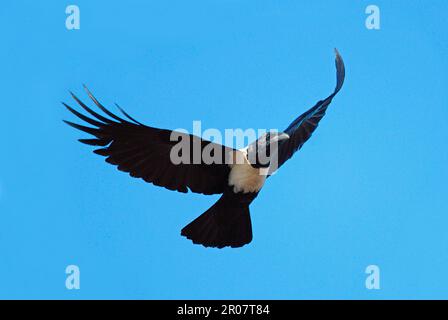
pixel 370 187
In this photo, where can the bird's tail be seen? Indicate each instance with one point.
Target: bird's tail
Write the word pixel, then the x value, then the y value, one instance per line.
pixel 225 224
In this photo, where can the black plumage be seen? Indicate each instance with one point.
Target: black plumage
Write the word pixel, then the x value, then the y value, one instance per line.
pixel 144 152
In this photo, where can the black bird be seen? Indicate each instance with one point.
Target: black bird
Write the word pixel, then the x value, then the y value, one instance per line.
pixel 145 152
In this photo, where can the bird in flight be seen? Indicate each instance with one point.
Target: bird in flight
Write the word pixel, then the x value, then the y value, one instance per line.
pixel 146 152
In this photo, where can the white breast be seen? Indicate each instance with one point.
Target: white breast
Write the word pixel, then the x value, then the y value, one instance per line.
pixel 245 178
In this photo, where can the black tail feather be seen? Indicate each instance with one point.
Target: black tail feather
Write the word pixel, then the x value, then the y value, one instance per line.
pixel 226 224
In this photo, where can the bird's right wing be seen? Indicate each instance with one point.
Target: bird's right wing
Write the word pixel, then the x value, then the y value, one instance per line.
pixel 145 152
pixel 301 129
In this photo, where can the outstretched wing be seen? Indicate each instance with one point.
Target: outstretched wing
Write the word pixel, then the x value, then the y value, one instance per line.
pixel 144 152
pixel 301 129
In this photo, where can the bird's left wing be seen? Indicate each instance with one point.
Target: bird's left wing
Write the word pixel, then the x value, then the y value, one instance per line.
pixel 301 129
pixel 145 152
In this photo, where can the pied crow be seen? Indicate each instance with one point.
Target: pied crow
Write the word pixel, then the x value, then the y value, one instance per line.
pixel 145 152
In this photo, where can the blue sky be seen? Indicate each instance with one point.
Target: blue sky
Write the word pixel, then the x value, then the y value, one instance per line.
pixel 368 188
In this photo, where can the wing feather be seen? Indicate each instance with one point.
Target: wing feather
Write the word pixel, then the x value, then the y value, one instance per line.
pixel 301 129
pixel 144 152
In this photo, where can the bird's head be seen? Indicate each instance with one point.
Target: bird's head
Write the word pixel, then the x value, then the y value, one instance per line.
pixel 260 153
